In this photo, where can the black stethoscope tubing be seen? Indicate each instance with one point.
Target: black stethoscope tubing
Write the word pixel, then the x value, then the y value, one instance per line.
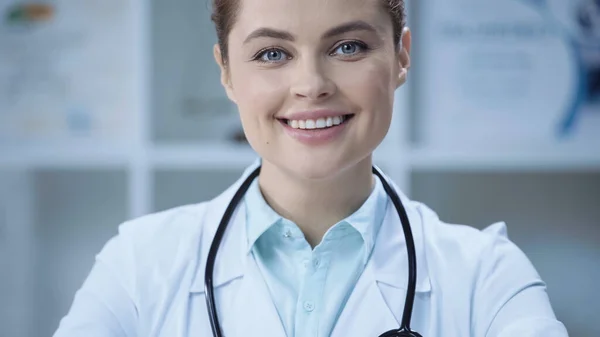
pixel 402 331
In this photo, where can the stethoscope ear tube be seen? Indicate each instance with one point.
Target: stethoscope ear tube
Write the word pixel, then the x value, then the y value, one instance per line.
pixel 404 329
pixel 214 248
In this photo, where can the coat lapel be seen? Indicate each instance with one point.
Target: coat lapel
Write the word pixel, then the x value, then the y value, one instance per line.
pixel 377 302
pixel 253 312
pixel 365 313
pixel 244 304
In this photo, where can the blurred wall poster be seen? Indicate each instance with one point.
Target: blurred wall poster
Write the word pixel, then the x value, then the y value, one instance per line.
pixel 510 72
pixel 66 69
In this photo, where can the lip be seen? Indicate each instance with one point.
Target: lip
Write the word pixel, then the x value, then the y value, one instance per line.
pixel 316 137
pixel 313 114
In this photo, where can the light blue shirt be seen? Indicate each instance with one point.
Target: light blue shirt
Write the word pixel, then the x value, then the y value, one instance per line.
pixel 310 287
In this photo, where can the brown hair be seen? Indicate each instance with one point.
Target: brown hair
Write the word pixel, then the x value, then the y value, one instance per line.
pixel 224 13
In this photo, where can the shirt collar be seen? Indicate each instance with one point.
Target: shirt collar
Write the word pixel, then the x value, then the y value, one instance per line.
pixel 389 253
pixel 366 220
pixel 259 215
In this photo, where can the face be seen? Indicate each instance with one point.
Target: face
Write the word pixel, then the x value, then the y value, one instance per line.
pixel 314 81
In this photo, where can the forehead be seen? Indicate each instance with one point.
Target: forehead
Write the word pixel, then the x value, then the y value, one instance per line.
pixel 304 17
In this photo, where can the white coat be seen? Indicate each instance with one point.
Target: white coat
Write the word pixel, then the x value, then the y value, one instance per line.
pixel 148 281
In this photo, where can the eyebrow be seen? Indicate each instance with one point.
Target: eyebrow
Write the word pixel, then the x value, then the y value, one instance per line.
pixel 352 26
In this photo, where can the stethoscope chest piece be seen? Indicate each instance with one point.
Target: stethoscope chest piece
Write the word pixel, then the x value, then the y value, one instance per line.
pixel 401 333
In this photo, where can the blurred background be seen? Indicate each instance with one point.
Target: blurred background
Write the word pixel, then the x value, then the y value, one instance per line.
pixel 111 109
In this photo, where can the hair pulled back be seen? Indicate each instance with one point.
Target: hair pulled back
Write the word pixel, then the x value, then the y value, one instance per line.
pixel 224 14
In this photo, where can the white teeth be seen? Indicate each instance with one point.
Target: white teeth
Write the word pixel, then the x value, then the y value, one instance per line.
pixel 320 123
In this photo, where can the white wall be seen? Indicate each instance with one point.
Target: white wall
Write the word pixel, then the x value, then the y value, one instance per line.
pixel 16 253
pixel 76 213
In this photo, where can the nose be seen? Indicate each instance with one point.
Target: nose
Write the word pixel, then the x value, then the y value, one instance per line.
pixel 311 81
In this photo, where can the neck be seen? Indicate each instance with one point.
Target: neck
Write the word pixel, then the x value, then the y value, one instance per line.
pixel 316 205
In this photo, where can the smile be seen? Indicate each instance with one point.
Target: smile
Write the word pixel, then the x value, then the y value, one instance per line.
pixel 320 123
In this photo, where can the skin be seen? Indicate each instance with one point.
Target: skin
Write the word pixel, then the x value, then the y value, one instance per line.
pixel 270 77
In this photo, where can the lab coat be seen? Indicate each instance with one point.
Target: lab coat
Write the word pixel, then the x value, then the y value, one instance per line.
pixel 148 281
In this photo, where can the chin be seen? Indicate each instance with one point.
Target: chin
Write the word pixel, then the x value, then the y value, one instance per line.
pixel 315 171
pixel 315 167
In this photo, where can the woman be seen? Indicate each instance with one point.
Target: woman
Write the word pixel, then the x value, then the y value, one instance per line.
pixel 316 246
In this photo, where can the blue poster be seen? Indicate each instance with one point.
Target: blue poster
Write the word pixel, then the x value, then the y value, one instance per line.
pixel 579 22
pixel 510 72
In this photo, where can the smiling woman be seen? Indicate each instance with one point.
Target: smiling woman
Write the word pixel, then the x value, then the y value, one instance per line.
pixel 290 71
pixel 314 86
pixel 312 240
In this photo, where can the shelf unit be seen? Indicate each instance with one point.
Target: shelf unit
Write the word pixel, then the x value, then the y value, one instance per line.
pixel 544 159
pixel 140 163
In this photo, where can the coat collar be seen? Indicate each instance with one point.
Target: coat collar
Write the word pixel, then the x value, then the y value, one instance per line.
pixel 231 260
pixel 390 257
pixel 388 264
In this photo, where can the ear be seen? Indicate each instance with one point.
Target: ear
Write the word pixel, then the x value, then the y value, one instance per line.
pixel 404 56
pixel 225 76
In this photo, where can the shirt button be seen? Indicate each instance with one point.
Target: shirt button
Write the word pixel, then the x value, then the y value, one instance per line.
pixel 316 262
pixel 309 306
pixel 287 233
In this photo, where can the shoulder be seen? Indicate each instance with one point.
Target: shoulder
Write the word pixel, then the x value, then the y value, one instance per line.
pixel 164 225
pixel 483 278
pixel 461 241
pixel 154 247
pixel 477 271
pixel 464 252
pixel 167 243
pixel 157 233
pixel 179 232
pixel 158 251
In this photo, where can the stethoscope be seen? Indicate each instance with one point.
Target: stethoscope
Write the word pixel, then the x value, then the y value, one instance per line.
pixel 402 331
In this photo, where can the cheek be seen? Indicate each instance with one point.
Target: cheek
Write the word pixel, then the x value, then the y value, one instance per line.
pixel 372 89
pixel 257 92
pixel 259 96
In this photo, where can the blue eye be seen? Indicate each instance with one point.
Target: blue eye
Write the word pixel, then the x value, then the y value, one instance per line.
pixel 349 48
pixel 272 55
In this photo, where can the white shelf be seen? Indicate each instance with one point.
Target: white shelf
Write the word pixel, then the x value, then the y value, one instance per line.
pixel 199 156
pixel 84 155
pixel 202 156
pixel 540 159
